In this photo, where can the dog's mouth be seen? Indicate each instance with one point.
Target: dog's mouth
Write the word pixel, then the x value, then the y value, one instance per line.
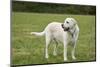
pixel 65 29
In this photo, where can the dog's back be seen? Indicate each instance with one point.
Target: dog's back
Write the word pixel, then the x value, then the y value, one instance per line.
pixel 54 27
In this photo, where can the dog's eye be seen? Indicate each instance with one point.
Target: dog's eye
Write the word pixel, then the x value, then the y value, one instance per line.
pixel 67 22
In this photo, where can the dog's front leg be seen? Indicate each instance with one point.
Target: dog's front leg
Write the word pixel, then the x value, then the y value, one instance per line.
pixel 65 48
pixel 73 50
pixel 65 52
pixel 74 40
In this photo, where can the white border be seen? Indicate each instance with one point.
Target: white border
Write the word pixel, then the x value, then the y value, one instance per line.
pixel 5 32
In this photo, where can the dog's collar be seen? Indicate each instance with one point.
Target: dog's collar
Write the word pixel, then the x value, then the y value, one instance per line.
pixel 63 27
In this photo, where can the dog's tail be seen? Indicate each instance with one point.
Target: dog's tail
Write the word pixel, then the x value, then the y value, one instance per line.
pixel 38 33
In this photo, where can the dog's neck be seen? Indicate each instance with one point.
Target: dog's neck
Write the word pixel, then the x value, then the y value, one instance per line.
pixel 72 31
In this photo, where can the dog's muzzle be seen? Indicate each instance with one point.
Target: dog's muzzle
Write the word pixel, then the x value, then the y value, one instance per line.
pixel 65 29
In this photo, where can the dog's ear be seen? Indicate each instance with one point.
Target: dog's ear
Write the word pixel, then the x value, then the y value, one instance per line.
pixel 75 22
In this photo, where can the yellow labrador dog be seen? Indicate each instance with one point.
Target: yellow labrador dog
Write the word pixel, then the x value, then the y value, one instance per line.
pixel 64 32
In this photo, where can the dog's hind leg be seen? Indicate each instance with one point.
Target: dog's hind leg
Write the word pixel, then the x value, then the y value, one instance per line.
pixel 55 48
pixel 48 39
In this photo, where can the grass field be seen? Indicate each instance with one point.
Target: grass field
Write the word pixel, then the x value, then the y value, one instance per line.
pixel 28 49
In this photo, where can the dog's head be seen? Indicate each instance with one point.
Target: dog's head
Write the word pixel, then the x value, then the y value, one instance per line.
pixel 68 24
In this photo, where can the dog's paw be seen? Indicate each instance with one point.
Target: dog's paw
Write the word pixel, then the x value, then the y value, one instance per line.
pixel 46 56
pixel 55 54
pixel 74 58
pixel 65 59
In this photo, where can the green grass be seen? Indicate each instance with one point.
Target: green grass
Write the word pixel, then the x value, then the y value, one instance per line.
pixel 28 49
